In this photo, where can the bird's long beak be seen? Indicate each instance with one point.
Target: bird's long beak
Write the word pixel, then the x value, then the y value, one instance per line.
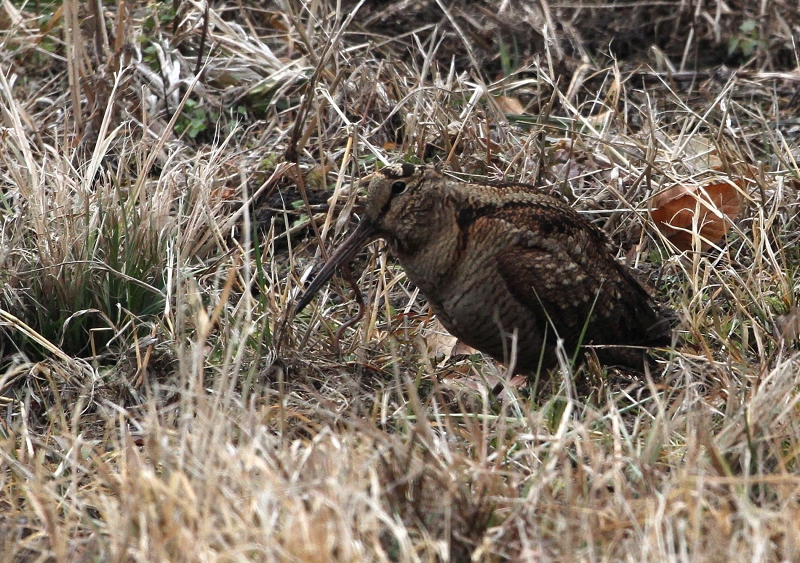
pixel 365 233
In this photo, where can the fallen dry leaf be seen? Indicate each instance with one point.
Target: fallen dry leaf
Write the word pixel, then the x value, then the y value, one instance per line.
pixel 442 345
pixel 472 381
pixel 510 105
pixel 685 213
pixel 789 325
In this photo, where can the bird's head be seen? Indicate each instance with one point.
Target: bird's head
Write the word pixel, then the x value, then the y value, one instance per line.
pixel 401 206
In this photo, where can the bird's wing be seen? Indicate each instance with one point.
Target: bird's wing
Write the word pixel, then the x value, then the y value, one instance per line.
pixel 561 263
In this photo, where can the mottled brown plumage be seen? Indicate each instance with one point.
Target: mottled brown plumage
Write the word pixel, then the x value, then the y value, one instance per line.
pixel 493 260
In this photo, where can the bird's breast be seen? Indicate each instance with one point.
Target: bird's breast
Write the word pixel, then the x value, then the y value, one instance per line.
pixel 469 295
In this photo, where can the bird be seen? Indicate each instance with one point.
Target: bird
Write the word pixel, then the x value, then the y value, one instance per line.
pixel 504 264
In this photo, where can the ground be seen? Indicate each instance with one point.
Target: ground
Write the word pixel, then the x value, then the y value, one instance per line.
pixel 169 176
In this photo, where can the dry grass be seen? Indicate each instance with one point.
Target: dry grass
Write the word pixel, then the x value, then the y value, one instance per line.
pixel 166 178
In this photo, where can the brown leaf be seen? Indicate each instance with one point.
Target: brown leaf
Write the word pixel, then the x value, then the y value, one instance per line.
pixel 277 21
pixel 789 325
pixel 442 345
pixel 683 212
pixel 510 105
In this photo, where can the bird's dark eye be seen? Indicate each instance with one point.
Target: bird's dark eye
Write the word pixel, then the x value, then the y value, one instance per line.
pixel 398 188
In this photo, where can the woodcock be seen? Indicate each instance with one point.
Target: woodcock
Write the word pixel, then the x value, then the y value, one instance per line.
pixel 494 260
